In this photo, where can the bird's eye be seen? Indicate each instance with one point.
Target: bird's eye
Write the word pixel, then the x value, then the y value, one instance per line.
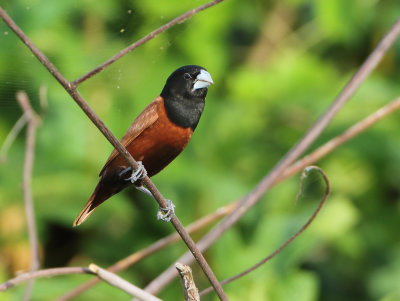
pixel 186 76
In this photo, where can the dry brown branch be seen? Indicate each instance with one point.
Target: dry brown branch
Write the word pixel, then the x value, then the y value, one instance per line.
pixel 185 16
pixel 189 287
pixel 293 237
pixel 71 89
pixel 295 152
pixel 350 133
pixel 42 273
pixel 122 284
pixel 33 121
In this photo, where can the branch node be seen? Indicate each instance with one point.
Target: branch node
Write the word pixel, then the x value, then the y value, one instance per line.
pixel 189 287
pixel 94 268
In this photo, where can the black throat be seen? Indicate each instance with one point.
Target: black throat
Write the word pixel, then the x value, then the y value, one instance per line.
pixel 183 111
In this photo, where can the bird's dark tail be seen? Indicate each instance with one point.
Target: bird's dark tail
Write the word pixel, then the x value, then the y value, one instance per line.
pixel 99 195
pixel 110 183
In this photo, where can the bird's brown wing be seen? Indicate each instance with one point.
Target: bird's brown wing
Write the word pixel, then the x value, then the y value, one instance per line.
pixel 145 119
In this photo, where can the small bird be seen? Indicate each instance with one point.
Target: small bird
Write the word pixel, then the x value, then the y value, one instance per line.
pixel 155 137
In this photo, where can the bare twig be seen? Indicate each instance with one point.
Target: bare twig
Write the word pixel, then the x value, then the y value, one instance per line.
pixel 71 89
pixel 42 273
pixel 297 150
pixel 189 287
pixel 187 15
pixel 339 140
pixel 33 121
pixel 291 239
pixel 122 284
pixel 11 137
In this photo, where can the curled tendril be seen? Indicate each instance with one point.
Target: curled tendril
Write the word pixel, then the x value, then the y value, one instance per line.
pixel 304 175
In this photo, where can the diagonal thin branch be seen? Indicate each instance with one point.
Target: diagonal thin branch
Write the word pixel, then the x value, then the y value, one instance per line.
pixel 33 121
pixel 296 151
pixel 71 89
pixel 292 238
pixel 122 284
pixel 334 143
pixel 42 273
pixel 185 16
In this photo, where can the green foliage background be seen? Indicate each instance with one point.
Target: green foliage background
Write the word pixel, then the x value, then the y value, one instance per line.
pixel 276 65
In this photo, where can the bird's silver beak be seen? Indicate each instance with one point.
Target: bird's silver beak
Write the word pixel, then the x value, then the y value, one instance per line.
pixel 203 80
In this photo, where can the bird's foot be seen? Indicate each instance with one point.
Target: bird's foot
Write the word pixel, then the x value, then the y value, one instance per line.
pixel 138 174
pixel 125 171
pixel 144 189
pixel 165 214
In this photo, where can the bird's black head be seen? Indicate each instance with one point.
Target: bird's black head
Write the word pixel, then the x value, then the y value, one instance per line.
pixel 188 82
pixel 184 94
